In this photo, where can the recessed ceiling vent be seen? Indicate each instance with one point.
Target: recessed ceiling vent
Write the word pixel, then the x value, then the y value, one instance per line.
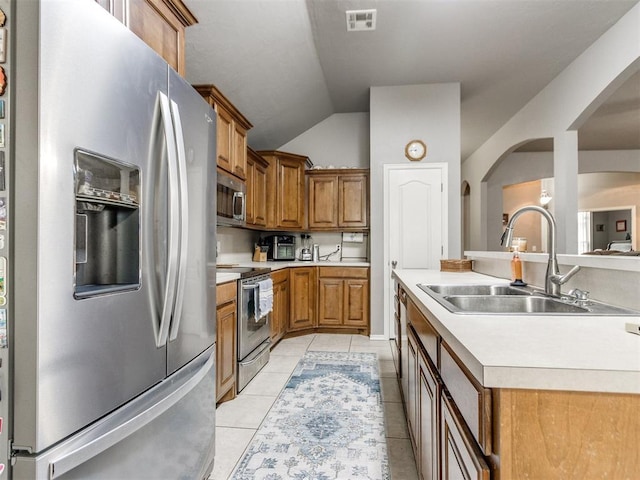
pixel 361 20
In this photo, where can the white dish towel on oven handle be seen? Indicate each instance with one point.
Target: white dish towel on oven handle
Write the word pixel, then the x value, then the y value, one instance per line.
pixel 265 297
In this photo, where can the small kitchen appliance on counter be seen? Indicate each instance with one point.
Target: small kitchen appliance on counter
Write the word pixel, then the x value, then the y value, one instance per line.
pixel 281 247
pixel 305 253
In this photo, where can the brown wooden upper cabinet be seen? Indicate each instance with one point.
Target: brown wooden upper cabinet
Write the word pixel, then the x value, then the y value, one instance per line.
pixel 285 190
pixel 256 189
pixel 232 128
pixel 338 199
pixel 160 23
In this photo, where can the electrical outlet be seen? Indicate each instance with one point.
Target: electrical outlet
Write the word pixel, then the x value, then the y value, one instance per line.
pixel 338 247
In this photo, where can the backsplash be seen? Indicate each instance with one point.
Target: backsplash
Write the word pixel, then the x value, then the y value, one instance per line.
pixel 236 245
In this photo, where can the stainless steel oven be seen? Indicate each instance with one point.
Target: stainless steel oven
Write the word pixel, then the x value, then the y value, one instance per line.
pixel 254 330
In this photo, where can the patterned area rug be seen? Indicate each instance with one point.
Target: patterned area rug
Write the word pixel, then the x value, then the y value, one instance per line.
pixel 327 423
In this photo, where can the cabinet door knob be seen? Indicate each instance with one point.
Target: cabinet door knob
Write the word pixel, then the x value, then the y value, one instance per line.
pixel 394 263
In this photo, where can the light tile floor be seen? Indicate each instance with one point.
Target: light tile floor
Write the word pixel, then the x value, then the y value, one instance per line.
pixel 238 419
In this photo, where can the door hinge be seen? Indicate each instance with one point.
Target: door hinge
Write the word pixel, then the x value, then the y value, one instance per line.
pixel 441 249
pixel 441 187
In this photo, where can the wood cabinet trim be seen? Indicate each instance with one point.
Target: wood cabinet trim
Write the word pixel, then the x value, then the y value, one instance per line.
pixel 459 382
pixel 226 322
pixel 180 11
pixel 292 156
pixel 450 411
pixel 226 292
pixel 428 336
pixel 338 171
pixel 217 97
pixel 545 434
pixel 428 374
pixel 343 272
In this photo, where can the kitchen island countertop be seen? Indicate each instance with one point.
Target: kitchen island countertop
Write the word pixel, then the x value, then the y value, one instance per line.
pixel 577 353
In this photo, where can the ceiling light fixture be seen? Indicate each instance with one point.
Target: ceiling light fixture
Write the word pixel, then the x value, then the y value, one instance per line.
pixel 361 20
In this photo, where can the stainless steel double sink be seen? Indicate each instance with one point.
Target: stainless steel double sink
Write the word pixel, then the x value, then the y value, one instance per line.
pixel 505 299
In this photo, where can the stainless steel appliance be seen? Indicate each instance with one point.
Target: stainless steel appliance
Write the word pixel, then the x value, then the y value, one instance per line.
pixel 231 201
pixel 305 253
pixel 281 247
pixel 254 330
pixel 107 368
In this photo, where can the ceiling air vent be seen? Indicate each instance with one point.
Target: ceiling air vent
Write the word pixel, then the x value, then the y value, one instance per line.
pixel 361 20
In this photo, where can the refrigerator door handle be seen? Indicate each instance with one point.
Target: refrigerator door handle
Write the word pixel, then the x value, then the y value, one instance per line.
pixel 174 224
pixel 158 402
pixel 184 221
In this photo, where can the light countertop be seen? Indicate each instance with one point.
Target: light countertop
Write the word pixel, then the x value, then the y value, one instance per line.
pixel 222 276
pixel 536 352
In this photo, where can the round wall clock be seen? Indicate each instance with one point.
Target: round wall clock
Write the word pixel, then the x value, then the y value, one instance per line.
pixel 415 150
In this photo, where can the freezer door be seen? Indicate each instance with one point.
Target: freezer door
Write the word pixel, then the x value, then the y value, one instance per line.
pixel 193 323
pixel 83 81
pixel 167 433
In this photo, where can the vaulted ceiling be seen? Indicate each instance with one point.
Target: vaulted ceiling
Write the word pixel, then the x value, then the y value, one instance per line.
pixel 289 64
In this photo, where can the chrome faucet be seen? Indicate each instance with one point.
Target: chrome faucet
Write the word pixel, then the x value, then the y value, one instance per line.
pixel 553 279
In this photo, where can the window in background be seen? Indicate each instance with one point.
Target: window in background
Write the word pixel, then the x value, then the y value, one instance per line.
pixel 584 232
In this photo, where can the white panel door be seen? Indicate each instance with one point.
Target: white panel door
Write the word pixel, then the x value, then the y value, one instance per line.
pixel 415 218
pixel 415 222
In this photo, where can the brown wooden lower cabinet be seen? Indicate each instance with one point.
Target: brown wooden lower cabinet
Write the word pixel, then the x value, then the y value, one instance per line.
pixel 343 297
pixel 280 314
pixel 302 313
pixel 460 456
pixel 226 341
pixel 320 298
pixel 411 397
pixel 462 430
pixel 429 390
pixel 566 435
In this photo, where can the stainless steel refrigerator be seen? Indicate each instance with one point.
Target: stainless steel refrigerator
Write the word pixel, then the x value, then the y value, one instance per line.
pixel 107 317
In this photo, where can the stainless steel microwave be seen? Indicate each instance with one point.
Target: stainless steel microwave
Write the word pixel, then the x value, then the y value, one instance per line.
pixel 231 201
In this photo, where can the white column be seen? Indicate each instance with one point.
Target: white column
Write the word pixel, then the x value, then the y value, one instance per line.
pixel 565 198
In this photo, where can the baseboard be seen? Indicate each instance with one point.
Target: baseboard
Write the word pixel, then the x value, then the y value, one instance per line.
pixel 378 337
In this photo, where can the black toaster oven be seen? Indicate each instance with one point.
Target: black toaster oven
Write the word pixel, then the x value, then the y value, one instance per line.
pixel 281 247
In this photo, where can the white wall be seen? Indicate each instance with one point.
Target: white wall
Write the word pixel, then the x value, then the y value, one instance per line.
pixel 399 114
pixel 610 191
pixel 235 244
pixel 519 167
pixel 342 140
pixel 560 107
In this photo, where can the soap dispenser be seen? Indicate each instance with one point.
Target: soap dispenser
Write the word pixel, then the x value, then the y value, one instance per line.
pixel 516 270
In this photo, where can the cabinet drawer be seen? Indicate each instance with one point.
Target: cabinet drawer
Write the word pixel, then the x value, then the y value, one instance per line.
pixel 226 292
pixel 426 333
pixel 472 399
pixel 343 272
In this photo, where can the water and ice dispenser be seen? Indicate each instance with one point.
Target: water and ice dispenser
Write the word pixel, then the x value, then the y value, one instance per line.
pixel 107 233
